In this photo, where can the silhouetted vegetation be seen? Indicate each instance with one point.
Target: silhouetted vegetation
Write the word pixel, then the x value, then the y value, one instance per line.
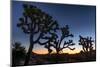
pixel 56 42
pixel 86 43
pixel 87 46
pixel 18 53
pixel 44 30
pixel 35 21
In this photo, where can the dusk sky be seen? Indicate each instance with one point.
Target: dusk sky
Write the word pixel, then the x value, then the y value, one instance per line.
pixel 81 21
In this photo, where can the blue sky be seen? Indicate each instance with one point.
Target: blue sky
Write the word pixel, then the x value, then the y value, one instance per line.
pixel 81 20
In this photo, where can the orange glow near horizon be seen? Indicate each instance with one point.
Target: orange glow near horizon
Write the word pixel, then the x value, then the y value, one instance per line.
pixel 44 51
pixel 71 51
pixel 41 51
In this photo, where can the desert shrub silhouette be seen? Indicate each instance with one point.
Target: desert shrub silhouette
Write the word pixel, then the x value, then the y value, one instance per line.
pixel 18 53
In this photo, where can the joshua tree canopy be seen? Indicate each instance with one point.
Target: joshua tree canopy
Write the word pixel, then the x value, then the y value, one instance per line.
pixel 86 43
pixel 34 21
pixel 56 42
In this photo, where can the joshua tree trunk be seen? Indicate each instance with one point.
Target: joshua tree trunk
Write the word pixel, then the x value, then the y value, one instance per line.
pixel 29 50
pixel 35 25
pixel 57 56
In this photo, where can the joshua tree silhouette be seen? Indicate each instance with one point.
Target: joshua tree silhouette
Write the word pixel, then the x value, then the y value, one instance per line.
pixel 50 42
pixel 35 21
pixel 55 42
pixel 86 43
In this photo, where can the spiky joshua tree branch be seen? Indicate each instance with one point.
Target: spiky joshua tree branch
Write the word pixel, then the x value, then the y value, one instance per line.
pixel 56 42
pixel 86 43
pixel 35 21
